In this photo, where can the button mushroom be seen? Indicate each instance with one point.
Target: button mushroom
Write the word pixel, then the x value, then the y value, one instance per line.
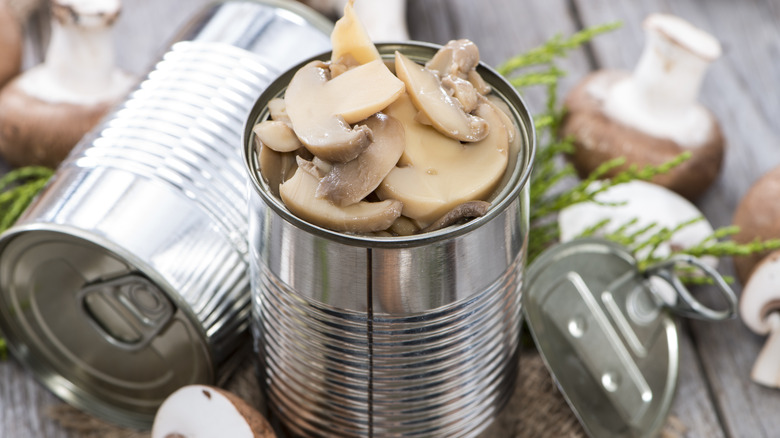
pixel 45 111
pixel 299 195
pixel 201 411
pixel 444 111
pixel 277 135
pixel 321 109
pixel 347 183
pixel 759 308
pixel 652 115
pixel 436 173
pixel 758 218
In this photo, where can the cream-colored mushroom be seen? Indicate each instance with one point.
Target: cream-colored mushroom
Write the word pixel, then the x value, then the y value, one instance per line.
pixel 436 173
pixel 299 195
pixel 444 111
pixel 350 41
pixel 275 167
pixel 348 183
pixel 456 58
pixel 278 110
pixel 321 110
pixel 277 135
pixel 310 167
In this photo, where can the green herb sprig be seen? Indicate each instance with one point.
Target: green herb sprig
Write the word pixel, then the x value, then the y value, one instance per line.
pixel 17 189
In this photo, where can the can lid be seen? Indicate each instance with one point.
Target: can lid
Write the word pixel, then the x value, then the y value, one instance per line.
pixel 604 329
pixel 98 332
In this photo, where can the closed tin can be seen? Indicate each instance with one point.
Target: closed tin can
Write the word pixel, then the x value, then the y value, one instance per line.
pixel 396 336
pixel 128 277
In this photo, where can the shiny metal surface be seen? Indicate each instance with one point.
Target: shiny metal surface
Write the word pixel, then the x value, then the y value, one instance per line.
pixel 128 277
pixel 407 336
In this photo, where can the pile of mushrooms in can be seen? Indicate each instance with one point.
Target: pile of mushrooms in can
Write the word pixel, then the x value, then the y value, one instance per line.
pixel 355 147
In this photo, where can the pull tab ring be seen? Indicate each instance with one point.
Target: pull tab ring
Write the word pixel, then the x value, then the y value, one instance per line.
pixel 689 306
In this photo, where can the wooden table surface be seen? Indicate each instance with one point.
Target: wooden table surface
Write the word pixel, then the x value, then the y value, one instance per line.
pixel 715 397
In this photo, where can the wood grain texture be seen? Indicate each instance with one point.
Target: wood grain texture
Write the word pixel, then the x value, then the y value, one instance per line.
pixel 740 88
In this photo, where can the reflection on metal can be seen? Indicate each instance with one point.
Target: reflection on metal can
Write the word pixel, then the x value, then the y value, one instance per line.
pixel 127 278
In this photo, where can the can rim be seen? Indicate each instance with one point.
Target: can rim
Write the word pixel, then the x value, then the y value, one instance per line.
pixel 75 394
pixel 512 188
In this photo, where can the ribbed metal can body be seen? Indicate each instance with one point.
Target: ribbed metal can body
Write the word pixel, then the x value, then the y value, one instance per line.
pixel 390 336
pixel 128 277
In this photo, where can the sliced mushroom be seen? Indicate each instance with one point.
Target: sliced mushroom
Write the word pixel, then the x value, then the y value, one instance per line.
pixel 348 183
pixel 321 110
pixel 436 173
pixel 298 194
pixel 278 110
pixel 351 41
pixel 468 210
pixel 277 135
pixel 403 226
pixel 462 90
pixel 310 167
pixel 444 111
pixel 275 167
pixel 457 58
pixel 201 411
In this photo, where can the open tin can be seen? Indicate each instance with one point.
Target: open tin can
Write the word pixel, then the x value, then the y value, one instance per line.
pixel 389 336
pixel 128 277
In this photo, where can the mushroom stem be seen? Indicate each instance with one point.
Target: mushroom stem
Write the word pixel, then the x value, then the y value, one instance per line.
pixel 661 97
pixel 79 64
pixel 384 21
pixel 766 369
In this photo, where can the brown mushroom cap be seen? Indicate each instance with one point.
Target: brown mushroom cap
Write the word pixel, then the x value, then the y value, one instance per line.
pixel 35 132
pixel 10 43
pixel 758 217
pixel 598 139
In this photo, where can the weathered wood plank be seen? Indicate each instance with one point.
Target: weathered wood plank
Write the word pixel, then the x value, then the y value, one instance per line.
pixel 739 89
pixel 501 29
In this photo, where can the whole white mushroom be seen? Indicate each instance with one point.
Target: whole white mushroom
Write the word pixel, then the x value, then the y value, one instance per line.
pixel 643 203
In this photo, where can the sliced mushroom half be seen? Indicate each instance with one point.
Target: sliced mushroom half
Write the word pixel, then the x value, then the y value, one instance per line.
pixel 277 135
pixel 321 110
pixel 298 194
pixel 457 58
pixel 350 41
pixel 348 183
pixel 468 210
pixel 436 173
pixel 443 110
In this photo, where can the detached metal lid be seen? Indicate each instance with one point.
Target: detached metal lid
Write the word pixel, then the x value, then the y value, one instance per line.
pixel 605 331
